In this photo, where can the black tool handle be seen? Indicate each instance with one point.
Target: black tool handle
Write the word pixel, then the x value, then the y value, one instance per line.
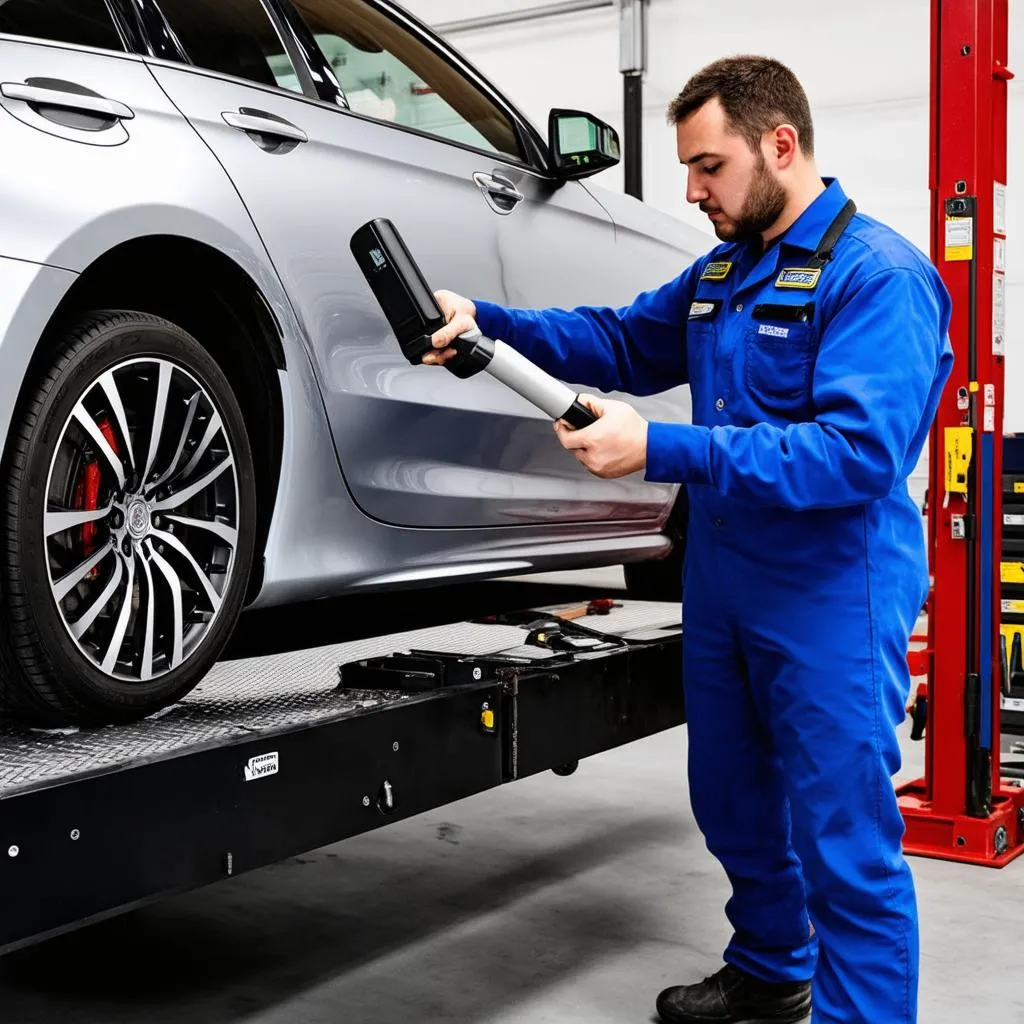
pixel 578 416
pixel 919 718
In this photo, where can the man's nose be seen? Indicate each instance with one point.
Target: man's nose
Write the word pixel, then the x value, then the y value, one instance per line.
pixel 695 193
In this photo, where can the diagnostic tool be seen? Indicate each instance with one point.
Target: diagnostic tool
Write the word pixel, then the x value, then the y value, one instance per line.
pixel 409 305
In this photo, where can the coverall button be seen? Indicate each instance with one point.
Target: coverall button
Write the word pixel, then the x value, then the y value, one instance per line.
pixel 720 404
pixel 739 307
pixel 718 522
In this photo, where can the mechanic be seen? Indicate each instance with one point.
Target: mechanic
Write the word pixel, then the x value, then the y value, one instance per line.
pixel 814 341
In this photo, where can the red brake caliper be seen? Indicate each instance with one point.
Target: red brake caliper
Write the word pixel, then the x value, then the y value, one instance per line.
pixel 87 491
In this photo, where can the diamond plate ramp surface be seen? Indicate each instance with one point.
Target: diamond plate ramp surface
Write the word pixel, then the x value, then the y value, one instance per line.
pixel 235 699
pixel 252 695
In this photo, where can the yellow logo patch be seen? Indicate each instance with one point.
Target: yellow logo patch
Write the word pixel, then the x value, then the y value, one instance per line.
pixel 716 271
pixel 798 277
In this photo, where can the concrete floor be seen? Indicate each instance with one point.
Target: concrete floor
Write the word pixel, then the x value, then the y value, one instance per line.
pixel 552 899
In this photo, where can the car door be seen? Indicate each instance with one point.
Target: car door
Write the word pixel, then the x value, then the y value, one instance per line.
pixel 79 115
pixel 412 139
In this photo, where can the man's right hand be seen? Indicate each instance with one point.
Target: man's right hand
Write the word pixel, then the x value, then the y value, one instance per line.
pixel 461 316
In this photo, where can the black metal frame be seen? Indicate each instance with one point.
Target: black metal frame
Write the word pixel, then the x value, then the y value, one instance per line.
pixel 100 842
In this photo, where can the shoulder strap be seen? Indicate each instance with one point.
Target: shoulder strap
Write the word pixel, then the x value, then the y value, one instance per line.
pixel 836 228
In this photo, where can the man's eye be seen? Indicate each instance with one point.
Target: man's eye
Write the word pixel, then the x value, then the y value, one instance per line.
pixel 712 168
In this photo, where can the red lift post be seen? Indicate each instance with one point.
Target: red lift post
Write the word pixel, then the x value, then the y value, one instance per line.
pixel 962 809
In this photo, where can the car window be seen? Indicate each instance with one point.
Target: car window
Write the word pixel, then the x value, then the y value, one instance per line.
pixel 236 38
pixel 390 74
pixel 84 22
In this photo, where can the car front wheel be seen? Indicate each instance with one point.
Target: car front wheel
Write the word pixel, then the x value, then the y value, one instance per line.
pixel 130 510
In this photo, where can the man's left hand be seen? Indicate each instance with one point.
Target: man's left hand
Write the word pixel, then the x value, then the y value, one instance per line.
pixel 615 445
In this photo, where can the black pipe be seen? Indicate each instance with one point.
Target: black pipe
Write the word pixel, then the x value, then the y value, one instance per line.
pixel 633 115
pixel 979 760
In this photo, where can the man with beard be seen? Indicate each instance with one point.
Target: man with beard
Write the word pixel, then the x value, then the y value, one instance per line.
pixel 814 340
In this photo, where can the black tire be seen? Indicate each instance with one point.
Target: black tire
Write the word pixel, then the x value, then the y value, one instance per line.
pixel 657 580
pixel 661 579
pixel 49 674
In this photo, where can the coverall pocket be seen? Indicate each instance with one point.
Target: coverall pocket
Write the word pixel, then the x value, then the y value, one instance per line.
pixel 779 360
pixel 701 343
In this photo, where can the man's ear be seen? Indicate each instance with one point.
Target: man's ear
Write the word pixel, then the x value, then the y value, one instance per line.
pixel 784 143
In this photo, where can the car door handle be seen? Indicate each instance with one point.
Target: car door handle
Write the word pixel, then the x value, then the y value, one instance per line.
pixel 500 192
pixel 51 97
pixel 258 122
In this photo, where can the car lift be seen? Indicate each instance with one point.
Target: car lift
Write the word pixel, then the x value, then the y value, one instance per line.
pixel 965 808
pixel 275 756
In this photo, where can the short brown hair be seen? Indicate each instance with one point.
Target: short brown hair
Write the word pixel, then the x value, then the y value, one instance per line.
pixel 757 93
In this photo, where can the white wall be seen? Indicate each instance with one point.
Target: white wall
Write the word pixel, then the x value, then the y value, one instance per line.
pixel 865 67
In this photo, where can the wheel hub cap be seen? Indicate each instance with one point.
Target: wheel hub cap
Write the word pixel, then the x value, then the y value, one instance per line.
pixel 139 519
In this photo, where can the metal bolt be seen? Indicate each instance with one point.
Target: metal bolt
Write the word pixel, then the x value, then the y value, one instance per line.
pixel 965 51
pixel 366 801
pixel 13 851
pixel 75 834
pixel 478 673
pixel 394 746
pixel 1000 839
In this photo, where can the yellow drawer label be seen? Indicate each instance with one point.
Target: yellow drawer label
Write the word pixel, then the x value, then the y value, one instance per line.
pixel 1012 607
pixel 1011 572
pixel 1018 487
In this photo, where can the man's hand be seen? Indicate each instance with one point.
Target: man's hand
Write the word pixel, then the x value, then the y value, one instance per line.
pixel 461 316
pixel 615 445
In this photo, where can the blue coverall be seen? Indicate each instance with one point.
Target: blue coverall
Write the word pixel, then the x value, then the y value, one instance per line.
pixel 805 571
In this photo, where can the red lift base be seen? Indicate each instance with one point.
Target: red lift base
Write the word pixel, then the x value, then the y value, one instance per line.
pixel 992 842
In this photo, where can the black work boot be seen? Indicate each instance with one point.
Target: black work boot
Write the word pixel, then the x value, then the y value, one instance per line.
pixel 731 996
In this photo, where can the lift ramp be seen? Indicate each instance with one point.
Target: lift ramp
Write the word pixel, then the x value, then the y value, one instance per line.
pixel 274 756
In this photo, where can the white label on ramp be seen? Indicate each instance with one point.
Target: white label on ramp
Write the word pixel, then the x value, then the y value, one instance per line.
pixel 261 766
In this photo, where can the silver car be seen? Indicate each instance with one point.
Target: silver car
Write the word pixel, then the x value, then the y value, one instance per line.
pixel 202 406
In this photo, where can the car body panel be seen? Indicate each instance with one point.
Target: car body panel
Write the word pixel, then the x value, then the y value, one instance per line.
pixel 391 475
pixel 418 447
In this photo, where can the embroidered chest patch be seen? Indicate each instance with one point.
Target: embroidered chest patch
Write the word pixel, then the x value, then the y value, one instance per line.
pixel 798 277
pixel 717 271
pixel 699 310
pixel 773 331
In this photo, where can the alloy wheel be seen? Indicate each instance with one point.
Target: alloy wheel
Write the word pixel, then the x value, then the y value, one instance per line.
pixel 141 521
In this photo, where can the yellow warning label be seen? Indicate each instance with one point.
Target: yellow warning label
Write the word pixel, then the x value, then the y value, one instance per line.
pixel 1018 487
pixel 959 239
pixel 1011 572
pixel 1012 607
pixel 958 458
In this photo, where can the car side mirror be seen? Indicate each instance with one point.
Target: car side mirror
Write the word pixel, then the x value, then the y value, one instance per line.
pixel 581 144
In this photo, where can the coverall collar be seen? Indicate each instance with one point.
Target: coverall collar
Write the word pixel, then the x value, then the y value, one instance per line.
pixel 805 233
